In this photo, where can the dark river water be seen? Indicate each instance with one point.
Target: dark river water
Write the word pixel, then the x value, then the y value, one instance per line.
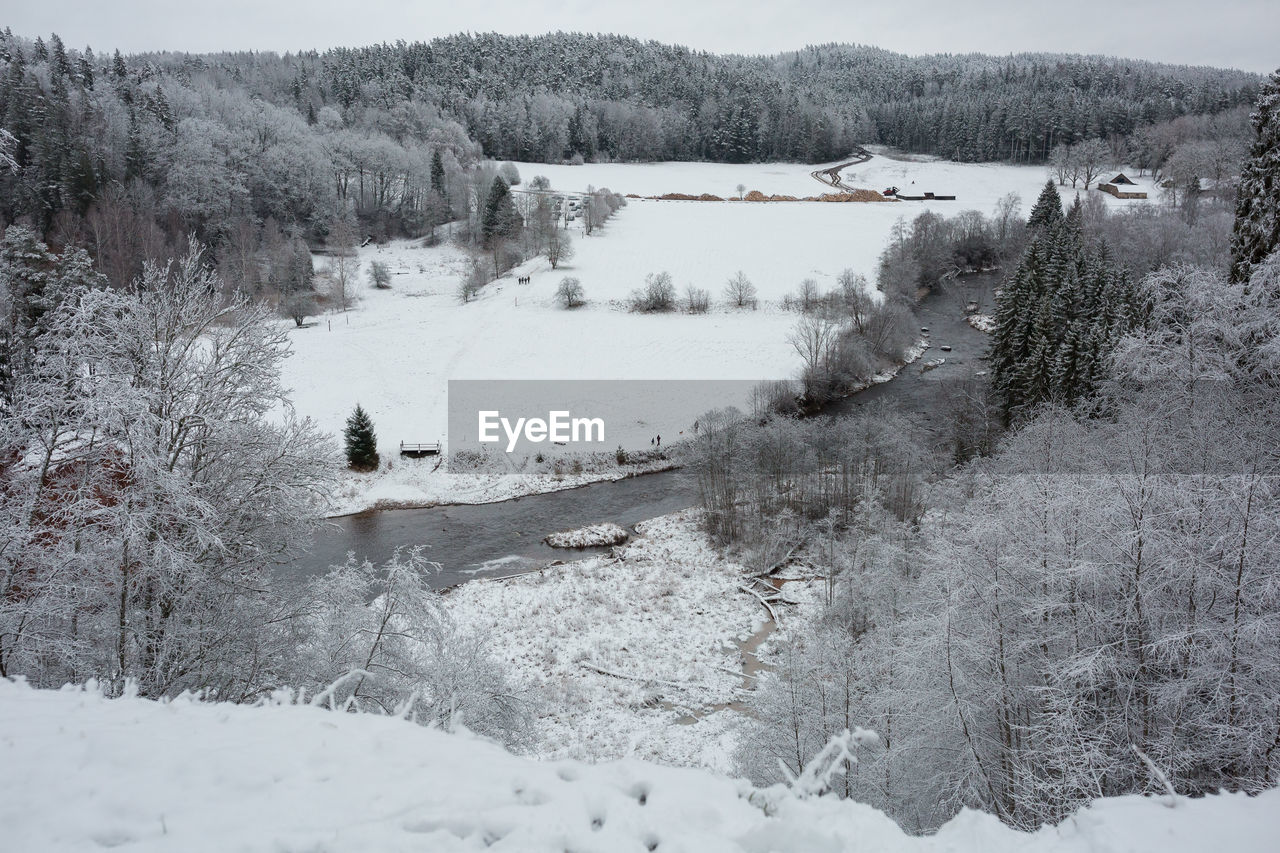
pixel 505 538
pixel 497 538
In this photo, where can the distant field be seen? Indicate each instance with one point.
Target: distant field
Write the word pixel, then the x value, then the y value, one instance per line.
pixel 395 351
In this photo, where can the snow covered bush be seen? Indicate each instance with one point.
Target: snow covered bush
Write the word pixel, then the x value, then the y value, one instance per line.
pixel 594 536
pixel 379 275
pixel 697 300
pixel 378 639
pixel 658 294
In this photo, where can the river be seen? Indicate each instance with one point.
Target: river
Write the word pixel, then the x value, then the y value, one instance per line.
pixel 504 538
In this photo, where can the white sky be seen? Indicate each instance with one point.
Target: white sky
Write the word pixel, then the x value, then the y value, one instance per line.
pixel 1227 33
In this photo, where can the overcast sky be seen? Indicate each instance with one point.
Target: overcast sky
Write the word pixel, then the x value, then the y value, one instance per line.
pixel 1229 33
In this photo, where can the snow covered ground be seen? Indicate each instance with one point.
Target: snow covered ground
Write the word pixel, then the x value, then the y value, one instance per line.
pixel 631 653
pixel 977 186
pixel 396 349
pixel 86 773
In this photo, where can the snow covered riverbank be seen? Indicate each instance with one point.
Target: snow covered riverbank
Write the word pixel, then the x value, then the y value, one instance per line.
pixel 628 648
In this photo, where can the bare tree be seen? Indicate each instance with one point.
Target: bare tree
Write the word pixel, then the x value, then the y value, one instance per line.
pixel 809 296
pixel 1092 157
pixel 558 247
pixel 815 339
pixel 343 263
pixel 740 291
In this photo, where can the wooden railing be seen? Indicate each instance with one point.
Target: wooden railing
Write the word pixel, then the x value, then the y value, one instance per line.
pixel 431 449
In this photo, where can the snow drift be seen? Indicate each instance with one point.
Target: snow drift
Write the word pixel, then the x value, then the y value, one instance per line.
pixel 83 772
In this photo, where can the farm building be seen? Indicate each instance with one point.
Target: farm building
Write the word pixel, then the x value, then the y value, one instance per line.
pixel 1122 187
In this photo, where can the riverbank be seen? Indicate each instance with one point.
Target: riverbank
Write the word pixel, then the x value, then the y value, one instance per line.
pixel 404 483
pixel 642 652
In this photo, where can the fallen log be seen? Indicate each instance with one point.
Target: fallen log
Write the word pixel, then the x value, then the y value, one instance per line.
pixel 682 685
pixel 767 606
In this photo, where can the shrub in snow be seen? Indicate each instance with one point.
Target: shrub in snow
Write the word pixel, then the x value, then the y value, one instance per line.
pixel 658 294
pixel 377 639
pixel 379 275
pixel 510 174
pixel 697 300
pixel 594 536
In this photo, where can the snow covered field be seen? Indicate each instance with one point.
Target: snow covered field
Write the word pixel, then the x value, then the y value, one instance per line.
pixel 395 351
pixel 586 635
pixel 87 773
pixel 977 186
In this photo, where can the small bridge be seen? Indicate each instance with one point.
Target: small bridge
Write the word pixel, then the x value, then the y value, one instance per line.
pixel 417 451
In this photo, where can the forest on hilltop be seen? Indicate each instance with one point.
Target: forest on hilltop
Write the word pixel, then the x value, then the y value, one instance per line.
pixel 129 155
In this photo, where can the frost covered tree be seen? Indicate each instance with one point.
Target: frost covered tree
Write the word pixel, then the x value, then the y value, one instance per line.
pixel 377 638
pixel 1095 586
pixel 570 292
pixel 1058 317
pixel 8 144
pixel 150 485
pixel 1257 226
pixel 360 441
pixel 34 282
pixel 558 247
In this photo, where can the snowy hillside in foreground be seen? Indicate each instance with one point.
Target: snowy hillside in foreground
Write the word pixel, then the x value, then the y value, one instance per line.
pixel 86 773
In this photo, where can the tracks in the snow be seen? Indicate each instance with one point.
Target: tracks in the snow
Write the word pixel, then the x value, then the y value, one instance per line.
pixel 831 177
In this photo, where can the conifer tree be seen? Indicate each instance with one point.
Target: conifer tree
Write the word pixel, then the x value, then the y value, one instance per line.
pixel 1048 208
pixel 500 217
pixel 437 173
pixel 1058 319
pixel 361 442
pixel 1257 227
